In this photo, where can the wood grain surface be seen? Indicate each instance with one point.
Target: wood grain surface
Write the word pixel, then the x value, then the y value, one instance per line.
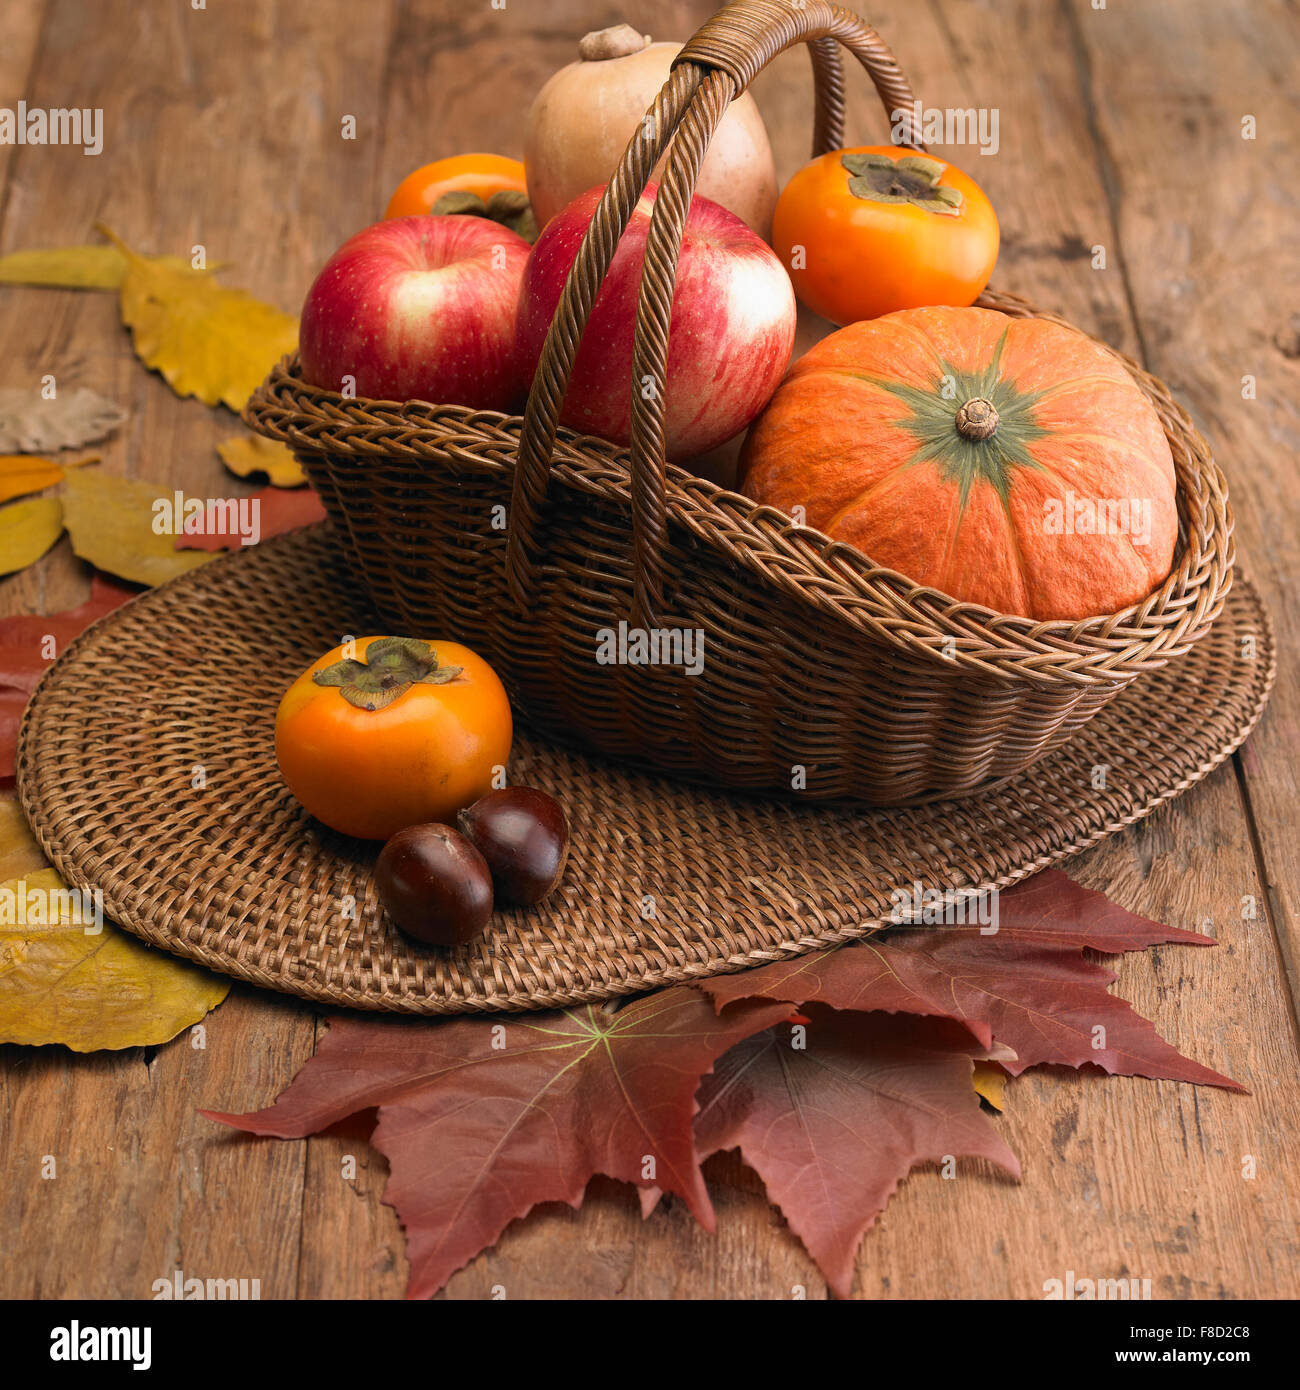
pixel 1120 128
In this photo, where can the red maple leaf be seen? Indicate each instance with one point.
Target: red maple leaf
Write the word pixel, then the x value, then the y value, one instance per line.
pixel 1028 984
pixel 29 644
pixel 480 1120
pixel 834 1117
pixel 280 509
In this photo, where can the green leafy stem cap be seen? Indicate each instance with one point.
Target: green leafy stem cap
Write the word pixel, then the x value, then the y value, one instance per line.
pixel 392 666
pixel 509 207
pixel 913 179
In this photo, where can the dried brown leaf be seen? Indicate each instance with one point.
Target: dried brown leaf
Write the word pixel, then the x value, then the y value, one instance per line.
pixel 32 424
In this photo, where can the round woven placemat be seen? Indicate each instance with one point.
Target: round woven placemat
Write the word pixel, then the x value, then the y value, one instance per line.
pixel 146 767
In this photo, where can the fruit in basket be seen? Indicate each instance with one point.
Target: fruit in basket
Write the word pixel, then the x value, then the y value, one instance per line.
pixel 870 230
pixel 582 119
pixel 476 185
pixel 386 732
pixel 418 308
pixel 524 836
pixel 434 884
pixel 730 338
pixel 1009 462
pixel 482 175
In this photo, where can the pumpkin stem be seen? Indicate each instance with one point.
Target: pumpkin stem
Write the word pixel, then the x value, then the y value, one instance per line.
pixel 618 41
pixel 977 419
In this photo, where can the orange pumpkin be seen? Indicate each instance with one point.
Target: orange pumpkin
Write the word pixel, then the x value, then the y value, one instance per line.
pixel 1008 462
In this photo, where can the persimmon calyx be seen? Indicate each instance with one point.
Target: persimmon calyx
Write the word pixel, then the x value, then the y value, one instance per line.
pixel 392 666
pixel 459 202
pixel 509 207
pixel 912 179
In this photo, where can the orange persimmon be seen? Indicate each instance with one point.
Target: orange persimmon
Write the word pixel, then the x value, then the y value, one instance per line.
pixel 867 231
pixel 479 174
pixel 386 732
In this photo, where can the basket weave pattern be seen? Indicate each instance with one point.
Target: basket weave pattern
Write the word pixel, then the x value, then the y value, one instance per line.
pixel 814 659
pixel 235 874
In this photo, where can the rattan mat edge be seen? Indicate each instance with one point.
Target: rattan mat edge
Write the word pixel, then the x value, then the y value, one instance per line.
pixel 667 882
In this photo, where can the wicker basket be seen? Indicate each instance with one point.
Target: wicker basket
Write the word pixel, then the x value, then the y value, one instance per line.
pixel 822 674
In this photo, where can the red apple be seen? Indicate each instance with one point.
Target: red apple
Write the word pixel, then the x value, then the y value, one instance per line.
pixel 419 308
pixel 730 336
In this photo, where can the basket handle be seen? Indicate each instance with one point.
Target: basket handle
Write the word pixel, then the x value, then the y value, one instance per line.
pixel 714 67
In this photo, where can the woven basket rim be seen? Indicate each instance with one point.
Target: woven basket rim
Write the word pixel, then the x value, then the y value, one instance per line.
pixel 805 562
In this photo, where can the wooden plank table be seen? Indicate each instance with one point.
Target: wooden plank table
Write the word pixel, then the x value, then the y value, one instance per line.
pixel 1120 128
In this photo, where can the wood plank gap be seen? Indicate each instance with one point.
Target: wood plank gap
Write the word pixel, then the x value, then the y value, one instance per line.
pixel 1273 904
pixel 38 51
pixel 959 59
pixel 306 1173
pixel 1105 166
pixel 386 79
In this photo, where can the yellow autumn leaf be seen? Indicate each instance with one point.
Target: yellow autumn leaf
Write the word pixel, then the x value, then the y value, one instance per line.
pixel 991 1083
pixel 207 341
pixel 19 851
pixel 112 520
pixel 27 530
pixel 79 267
pixel 21 474
pixel 67 976
pixel 246 454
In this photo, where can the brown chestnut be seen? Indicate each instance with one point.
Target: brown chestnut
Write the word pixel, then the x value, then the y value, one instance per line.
pixel 435 885
pixel 524 836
